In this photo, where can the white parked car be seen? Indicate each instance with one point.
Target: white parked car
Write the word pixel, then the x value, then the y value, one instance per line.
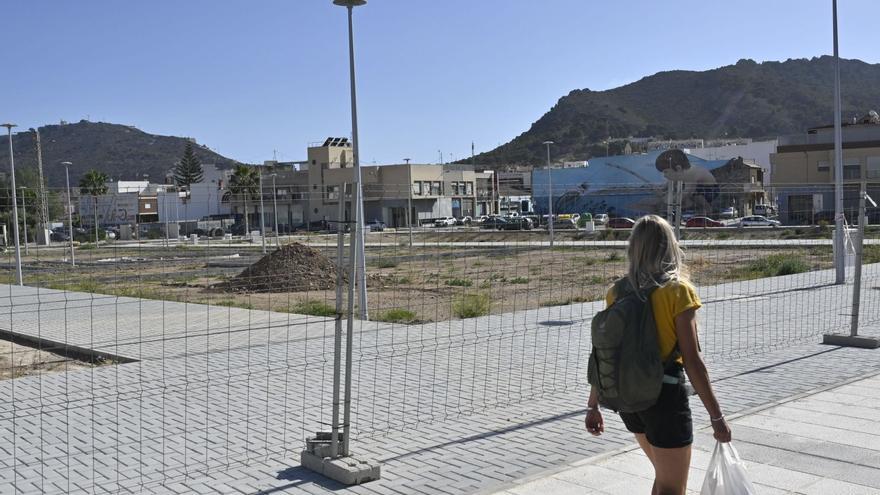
pixel 444 222
pixel 600 218
pixel 758 221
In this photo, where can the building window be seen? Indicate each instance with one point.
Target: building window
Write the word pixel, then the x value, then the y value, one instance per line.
pixel 436 188
pixel 873 167
pixel 852 169
pixel 823 167
pixel 333 193
pixel 147 206
pixel 417 188
pixel 469 189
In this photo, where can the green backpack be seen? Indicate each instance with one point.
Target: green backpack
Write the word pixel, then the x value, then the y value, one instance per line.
pixel 625 364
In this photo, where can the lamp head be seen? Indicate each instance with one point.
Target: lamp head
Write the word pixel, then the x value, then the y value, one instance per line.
pixel 547 142
pixel 349 3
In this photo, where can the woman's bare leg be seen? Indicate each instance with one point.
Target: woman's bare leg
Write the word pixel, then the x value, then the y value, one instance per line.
pixel 671 470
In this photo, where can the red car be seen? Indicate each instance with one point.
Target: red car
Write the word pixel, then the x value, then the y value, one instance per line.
pixel 703 222
pixel 620 223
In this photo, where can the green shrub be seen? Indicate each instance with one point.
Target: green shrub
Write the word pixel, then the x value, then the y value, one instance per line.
pixel 314 307
pixel 471 305
pixel 775 265
pixel 613 256
pixel 459 282
pixel 519 280
pixel 387 263
pixel 397 315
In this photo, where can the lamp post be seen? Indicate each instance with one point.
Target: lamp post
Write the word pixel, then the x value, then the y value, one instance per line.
pixel 24 218
pixel 549 193
pixel 69 211
pixel 18 278
pixel 358 189
pixel 839 221
pixel 262 216
pixel 275 211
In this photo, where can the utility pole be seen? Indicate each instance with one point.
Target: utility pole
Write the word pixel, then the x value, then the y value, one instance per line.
pixel 839 219
pixel 409 201
pixel 18 276
pixel 549 193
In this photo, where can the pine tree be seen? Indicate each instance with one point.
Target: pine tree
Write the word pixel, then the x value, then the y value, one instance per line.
pixel 189 169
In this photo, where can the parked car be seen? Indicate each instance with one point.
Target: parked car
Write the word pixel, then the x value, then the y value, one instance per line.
pixel 703 222
pixel 758 221
pixel 687 215
pixel 621 223
pixel 517 223
pixel 493 223
pixel 465 220
pixel 59 236
pixel 600 218
pixel 729 212
pixel 444 222
pixel 481 218
pixel 376 225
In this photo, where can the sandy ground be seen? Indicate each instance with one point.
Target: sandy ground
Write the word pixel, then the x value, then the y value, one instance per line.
pixel 17 360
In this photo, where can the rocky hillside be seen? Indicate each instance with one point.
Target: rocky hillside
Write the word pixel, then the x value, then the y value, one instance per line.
pixel 123 152
pixel 747 99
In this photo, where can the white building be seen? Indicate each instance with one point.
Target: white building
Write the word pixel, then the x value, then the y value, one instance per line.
pixel 757 151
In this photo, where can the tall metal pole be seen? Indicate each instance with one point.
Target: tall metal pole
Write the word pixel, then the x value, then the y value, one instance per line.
pixel 358 216
pixel 549 193
pixel 24 219
pixel 275 212
pixel 262 216
pixel 18 277
pixel 839 221
pixel 69 212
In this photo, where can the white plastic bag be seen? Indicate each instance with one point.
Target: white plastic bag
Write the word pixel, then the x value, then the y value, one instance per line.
pixel 726 474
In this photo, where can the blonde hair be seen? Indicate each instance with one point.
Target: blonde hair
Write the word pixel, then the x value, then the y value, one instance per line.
pixel 654 255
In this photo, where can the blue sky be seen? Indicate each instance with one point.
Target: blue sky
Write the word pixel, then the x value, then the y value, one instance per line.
pixel 250 77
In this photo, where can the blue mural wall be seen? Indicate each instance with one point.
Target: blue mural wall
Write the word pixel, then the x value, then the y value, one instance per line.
pixel 625 185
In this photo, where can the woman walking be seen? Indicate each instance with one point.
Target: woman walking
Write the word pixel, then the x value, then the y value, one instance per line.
pixel 665 430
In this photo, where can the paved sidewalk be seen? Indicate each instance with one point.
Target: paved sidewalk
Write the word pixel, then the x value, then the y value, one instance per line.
pixel 822 443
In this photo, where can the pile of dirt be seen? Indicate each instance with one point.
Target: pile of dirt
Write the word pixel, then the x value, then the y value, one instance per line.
pixel 292 268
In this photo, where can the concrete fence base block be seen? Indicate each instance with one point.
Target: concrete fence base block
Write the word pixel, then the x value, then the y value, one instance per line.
pixel 850 341
pixel 345 470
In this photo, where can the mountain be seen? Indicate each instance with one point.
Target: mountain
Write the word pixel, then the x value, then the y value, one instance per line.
pixel 123 152
pixel 748 99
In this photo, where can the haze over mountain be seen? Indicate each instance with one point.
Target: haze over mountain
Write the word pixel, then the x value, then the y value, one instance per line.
pixel 747 99
pixel 123 152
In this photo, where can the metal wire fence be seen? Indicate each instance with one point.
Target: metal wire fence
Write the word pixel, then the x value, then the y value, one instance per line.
pixel 178 347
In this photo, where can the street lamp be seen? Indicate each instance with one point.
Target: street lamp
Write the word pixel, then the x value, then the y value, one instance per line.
pixel 69 211
pixel 24 218
pixel 358 190
pixel 549 193
pixel 839 221
pixel 18 278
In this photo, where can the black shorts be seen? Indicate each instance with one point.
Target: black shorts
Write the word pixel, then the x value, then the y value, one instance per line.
pixel 667 424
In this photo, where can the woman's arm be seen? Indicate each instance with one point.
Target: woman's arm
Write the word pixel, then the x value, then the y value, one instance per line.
pixel 686 330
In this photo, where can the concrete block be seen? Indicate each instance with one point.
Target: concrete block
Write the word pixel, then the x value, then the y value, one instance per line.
pixel 850 341
pixel 346 470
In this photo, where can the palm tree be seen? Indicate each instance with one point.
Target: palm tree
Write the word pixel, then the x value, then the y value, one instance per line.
pixel 94 184
pixel 244 181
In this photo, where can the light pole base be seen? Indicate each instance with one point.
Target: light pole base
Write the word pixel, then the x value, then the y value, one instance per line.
pixel 850 341
pixel 346 470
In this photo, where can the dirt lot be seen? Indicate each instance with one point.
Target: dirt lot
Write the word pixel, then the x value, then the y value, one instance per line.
pixel 405 284
pixel 18 360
